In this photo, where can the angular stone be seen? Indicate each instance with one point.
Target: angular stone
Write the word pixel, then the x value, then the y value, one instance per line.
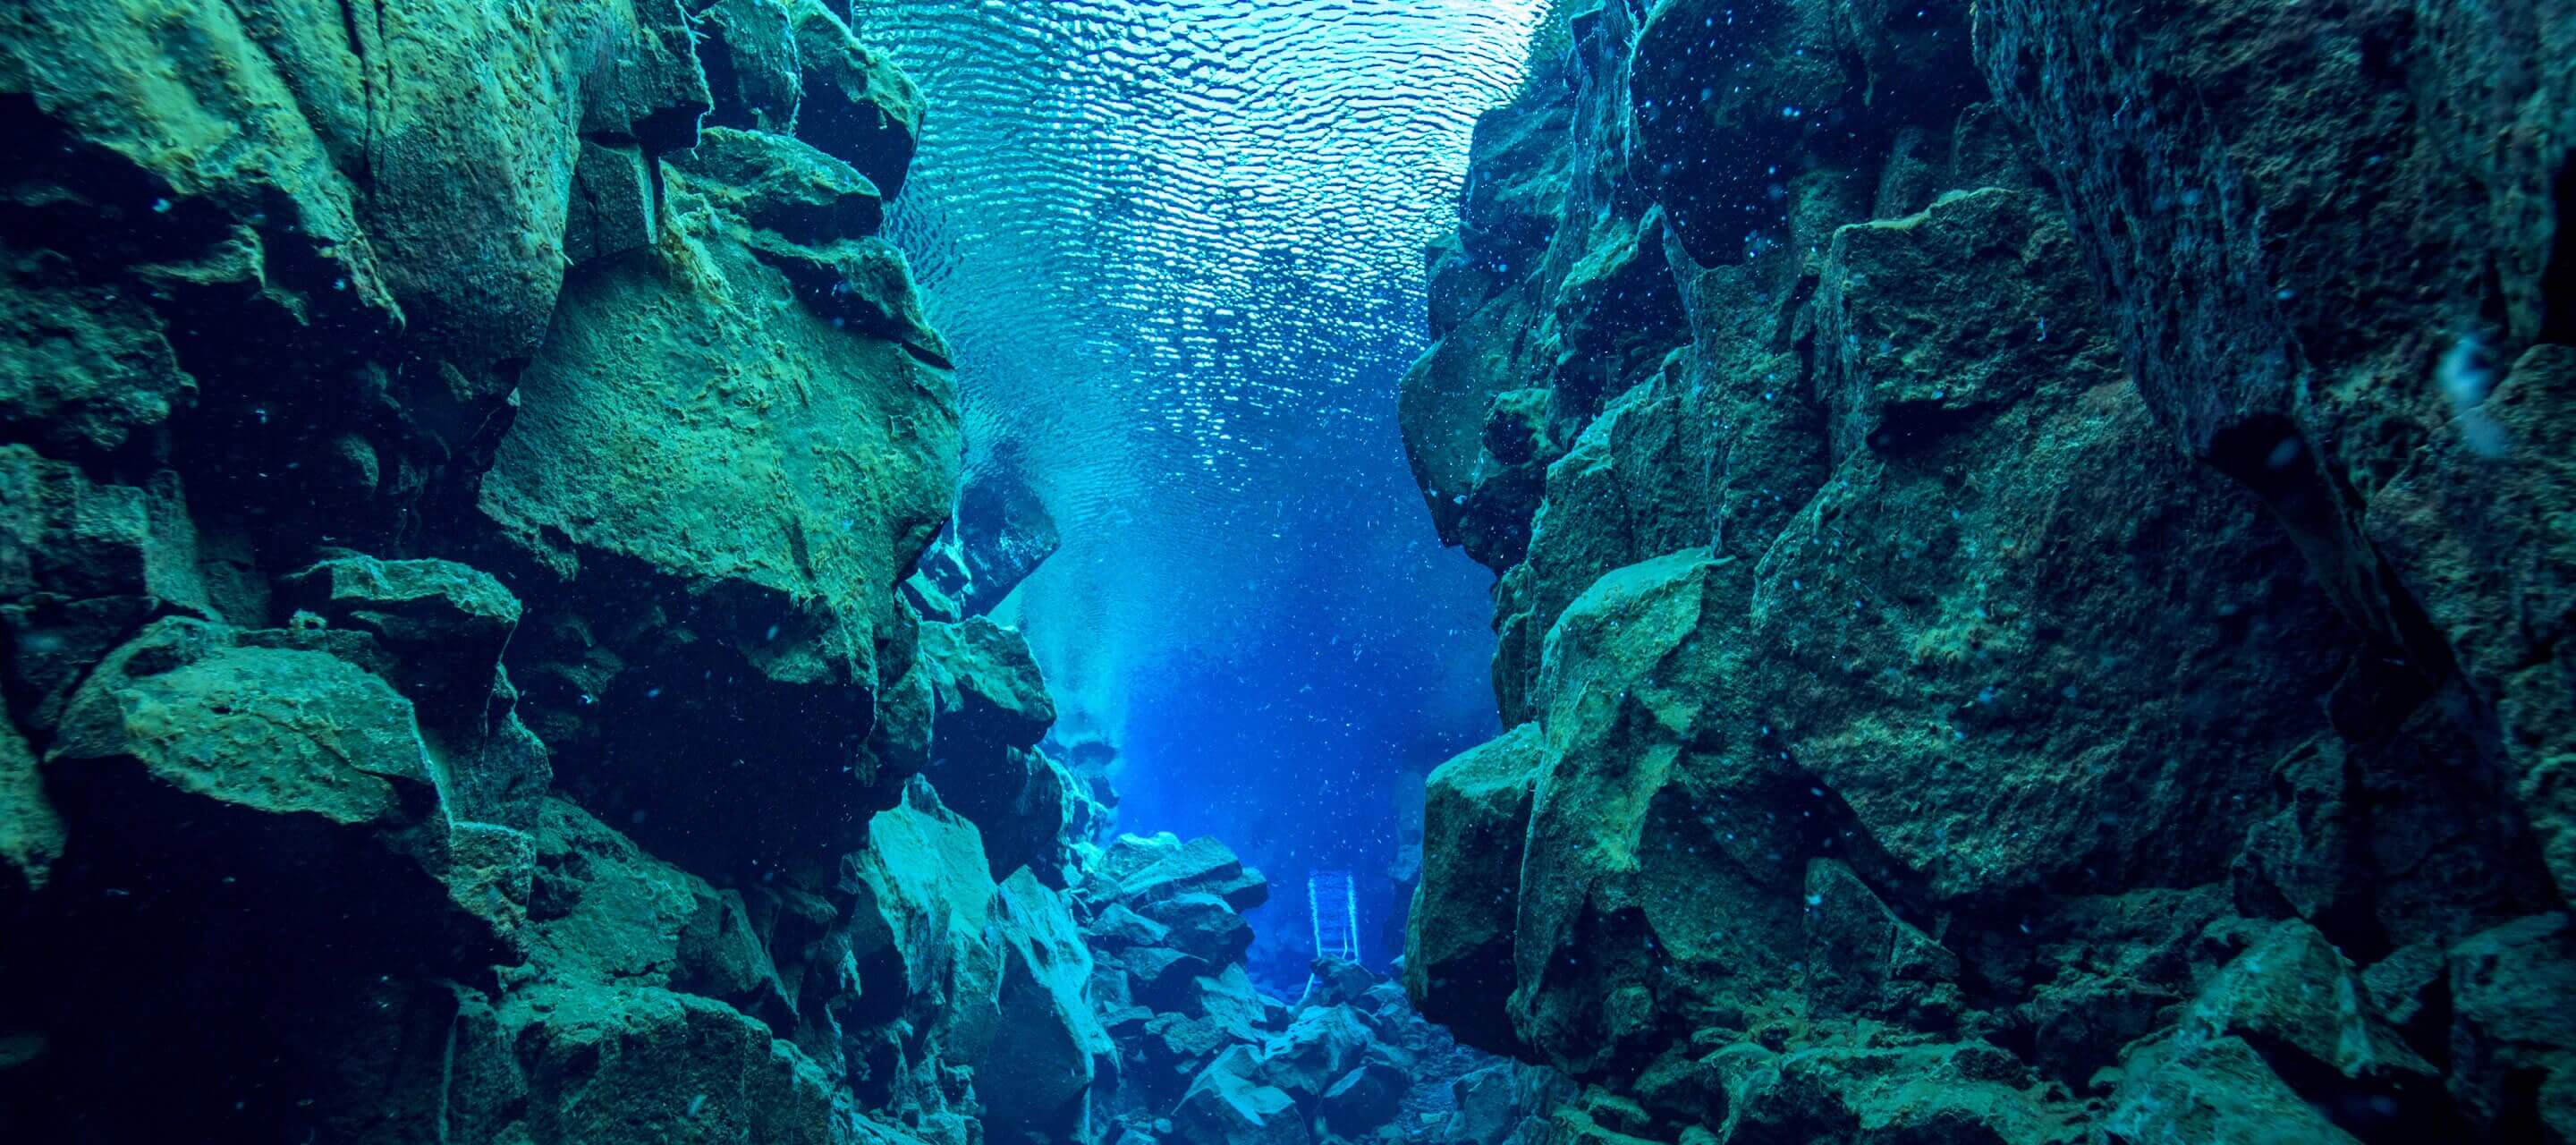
pixel 1863 959
pixel 62 534
pixel 256 760
pixel 1203 926
pixel 1048 1045
pixel 612 204
pixel 988 685
pixel 812 465
pixel 1365 1099
pixel 1118 927
pixel 83 369
pixel 1222 1108
pixel 1142 869
pixel 858 106
pixel 779 183
pixel 603 1062
pixel 1458 941
pixel 2513 1039
pixel 1317 1049
pixel 2292 989
pixel 2214 1091
pixel 919 927
pixel 751 62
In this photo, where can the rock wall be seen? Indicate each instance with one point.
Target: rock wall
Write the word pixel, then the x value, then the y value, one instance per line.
pixel 2027 584
pixel 459 461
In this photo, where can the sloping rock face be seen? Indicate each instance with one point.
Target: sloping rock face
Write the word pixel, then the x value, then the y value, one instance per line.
pixel 456 466
pixel 1911 742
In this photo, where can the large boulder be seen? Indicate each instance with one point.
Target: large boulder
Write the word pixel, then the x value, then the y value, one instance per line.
pixel 1049 1045
pixel 1144 869
pixel 1458 941
pixel 606 1061
pixel 443 628
pixel 255 755
pixel 1224 1108
pixel 814 462
pixel 2512 1043
pixel 988 686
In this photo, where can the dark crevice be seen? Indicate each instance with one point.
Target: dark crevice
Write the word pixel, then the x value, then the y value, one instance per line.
pixel 2558 281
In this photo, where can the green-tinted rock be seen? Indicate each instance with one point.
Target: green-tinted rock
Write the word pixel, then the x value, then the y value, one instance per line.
pixel 2218 1091
pixel 31 831
pixel 918 924
pixel 2512 1042
pixel 1862 959
pixel 262 758
pixel 64 535
pixel 1048 1043
pixel 781 184
pixel 752 67
pixel 610 1063
pixel 604 911
pixel 2480 522
pixel 2295 991
pixel 82 369
pixel 1458 942
pixel 858 106
pixel 1657 876
pixel 988 685
pixel 694 436
pixel 612 209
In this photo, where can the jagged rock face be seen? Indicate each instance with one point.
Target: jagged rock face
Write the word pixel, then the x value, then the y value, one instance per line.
pixel 1811 376
pixel 363 367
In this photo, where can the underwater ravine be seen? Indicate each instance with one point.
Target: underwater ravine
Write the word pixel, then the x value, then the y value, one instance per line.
pixel 1287 572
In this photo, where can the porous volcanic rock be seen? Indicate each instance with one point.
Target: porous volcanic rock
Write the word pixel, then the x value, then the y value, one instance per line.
pixel 2024 603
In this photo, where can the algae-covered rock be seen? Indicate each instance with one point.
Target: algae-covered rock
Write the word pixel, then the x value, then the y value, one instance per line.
pixel 2213 1091
pixel 65 536
pixel 1851 585
pixel 2471 520
pixel 82 368
pixel 612 208
pixel 1458 947
pixel 858 105
pixel 606 1062
pixel 243 747
pixel 1048 1044
pixel 766 477
pixel 782 184
pixel 304 309
pixel 1647 847
pixel 751 63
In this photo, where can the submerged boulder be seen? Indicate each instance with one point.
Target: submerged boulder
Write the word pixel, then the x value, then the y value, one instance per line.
pixel 1145 869
pixel 1223 1108
pixel 1458 944
pixel 809 480
pixel 1049 1046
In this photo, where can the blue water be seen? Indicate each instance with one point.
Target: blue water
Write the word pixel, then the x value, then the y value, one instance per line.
pixel 1182 277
